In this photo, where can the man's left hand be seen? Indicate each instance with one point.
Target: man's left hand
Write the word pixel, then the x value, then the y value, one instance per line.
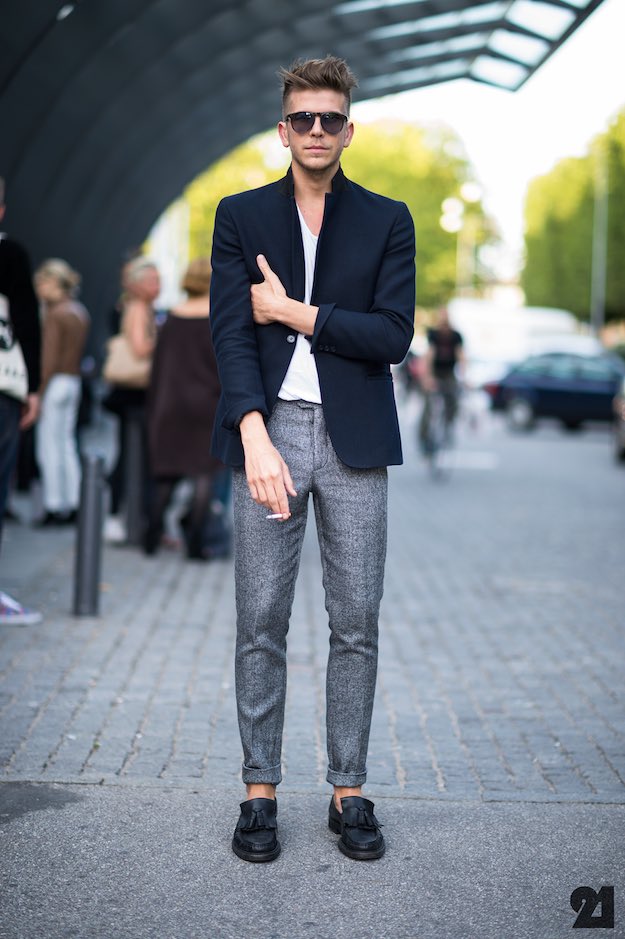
pixel 266 296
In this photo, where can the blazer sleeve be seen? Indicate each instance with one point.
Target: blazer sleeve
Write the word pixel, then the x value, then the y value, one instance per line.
pixel 232 324
pixel 386 330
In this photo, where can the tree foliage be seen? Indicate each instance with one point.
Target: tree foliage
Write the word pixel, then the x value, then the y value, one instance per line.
pixel 418 166
pixel 559 218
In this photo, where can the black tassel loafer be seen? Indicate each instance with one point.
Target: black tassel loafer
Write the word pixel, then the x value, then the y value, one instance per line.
pixel 361 838
pixel 255 837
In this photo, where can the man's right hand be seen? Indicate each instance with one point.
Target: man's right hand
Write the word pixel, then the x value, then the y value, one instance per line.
pixel 268 476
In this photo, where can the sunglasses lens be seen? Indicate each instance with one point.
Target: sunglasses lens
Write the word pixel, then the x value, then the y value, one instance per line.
pixel 302 121
pixel 332 123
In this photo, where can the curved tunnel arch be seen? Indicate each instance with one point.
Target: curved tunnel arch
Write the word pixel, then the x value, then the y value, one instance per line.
pixel 114 109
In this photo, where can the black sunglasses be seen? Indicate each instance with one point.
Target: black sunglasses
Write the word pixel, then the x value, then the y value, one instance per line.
pixel 303 121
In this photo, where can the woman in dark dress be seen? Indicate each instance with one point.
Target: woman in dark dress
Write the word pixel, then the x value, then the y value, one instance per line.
pixel 182 398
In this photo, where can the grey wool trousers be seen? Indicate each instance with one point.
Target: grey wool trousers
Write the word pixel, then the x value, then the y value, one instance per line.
pixel 350 510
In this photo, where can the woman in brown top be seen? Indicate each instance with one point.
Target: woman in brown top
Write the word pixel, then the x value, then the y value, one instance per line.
pixel 182 399
pixel 65 327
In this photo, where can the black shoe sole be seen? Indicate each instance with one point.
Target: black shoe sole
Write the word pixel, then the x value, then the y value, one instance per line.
pixel 256 857
pixel 335 826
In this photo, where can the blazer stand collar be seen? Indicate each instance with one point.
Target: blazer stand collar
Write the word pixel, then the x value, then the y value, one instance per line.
pixel 287 185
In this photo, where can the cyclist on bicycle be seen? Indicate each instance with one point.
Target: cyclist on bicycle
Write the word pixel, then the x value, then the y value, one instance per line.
pixel 442 368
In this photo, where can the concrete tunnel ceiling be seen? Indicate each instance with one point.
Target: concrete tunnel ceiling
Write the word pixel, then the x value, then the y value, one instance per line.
pixel 108 108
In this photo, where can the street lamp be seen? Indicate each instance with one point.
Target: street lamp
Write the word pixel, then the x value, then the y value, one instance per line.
pixel 456 221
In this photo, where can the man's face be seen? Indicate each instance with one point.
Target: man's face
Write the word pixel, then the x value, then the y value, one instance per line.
pixel 317 150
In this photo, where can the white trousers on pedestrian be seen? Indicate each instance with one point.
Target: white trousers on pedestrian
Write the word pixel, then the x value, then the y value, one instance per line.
pixel 57 451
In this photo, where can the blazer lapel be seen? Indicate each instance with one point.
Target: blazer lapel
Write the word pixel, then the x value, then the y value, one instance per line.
pixel 298 280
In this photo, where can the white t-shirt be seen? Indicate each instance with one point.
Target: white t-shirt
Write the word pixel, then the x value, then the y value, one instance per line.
pixel 301 380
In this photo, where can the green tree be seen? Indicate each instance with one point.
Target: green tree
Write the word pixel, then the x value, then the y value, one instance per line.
pixel 559 216
pixel 615 154
pixel 421 167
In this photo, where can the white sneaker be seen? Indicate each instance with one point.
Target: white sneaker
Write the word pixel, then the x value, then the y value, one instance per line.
pixel 13 613
pixel 114 530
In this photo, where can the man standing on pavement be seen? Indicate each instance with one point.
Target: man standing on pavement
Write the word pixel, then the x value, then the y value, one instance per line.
pixel 312 298
pixel 20 351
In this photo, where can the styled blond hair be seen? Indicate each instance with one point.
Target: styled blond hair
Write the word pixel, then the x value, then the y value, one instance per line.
pixel 59 270
pixel 330 72
pixel 136 268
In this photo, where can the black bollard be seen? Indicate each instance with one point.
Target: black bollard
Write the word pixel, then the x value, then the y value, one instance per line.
pixel 89 537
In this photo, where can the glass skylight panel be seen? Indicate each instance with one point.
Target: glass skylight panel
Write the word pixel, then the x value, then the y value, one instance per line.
pixel 549 21
pixel 505 74
pixel 445 46
pixel 526 48
pixel 417 76
pixel 365 6
pixel 472 16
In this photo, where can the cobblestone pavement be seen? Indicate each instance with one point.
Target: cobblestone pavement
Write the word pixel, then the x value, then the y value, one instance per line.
pixel 502 643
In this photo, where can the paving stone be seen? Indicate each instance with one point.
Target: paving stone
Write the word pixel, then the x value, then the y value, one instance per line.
pixel 502 644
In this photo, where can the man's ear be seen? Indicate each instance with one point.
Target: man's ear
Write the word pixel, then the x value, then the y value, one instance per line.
pixel 283 133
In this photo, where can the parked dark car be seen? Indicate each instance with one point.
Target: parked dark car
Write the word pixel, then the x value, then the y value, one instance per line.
pixel 572 388
pixel 619 423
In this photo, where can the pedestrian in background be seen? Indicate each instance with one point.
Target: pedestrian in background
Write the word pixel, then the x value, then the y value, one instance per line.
pixel 141 286
pixel 441 372
pixel 183 396
pixel 20 354
pixel 65 328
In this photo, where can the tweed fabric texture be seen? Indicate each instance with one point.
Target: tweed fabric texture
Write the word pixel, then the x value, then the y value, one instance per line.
pixel 351 514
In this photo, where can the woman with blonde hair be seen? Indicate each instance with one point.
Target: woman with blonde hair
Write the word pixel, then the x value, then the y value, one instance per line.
pixel 141 286
pixel 183 396
pixel 64 333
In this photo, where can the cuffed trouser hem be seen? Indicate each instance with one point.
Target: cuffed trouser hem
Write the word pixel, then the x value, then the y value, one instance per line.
pixel 270 776
pixel 346 779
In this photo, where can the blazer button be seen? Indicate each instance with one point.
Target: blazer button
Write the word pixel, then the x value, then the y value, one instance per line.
pixel 290 338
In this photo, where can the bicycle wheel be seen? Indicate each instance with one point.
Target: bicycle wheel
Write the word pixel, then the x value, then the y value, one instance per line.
pixel 437 435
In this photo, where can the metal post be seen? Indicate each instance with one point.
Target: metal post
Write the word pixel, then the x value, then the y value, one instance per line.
pixel 598 274
pixel 89 537
pixel 134 480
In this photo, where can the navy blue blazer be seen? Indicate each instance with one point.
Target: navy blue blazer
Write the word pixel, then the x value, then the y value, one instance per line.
pixel 364 287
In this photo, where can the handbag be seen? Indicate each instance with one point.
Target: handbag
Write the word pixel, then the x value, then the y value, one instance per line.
pixel 123 367
pixel 13 373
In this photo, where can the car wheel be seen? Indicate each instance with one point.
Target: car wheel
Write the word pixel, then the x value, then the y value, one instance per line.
pixel 520 414
pixel 619 451
pixel 572 425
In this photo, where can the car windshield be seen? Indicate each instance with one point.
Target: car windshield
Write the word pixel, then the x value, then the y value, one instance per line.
pixel 564 366
pixel 555 366
pixel 598 369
